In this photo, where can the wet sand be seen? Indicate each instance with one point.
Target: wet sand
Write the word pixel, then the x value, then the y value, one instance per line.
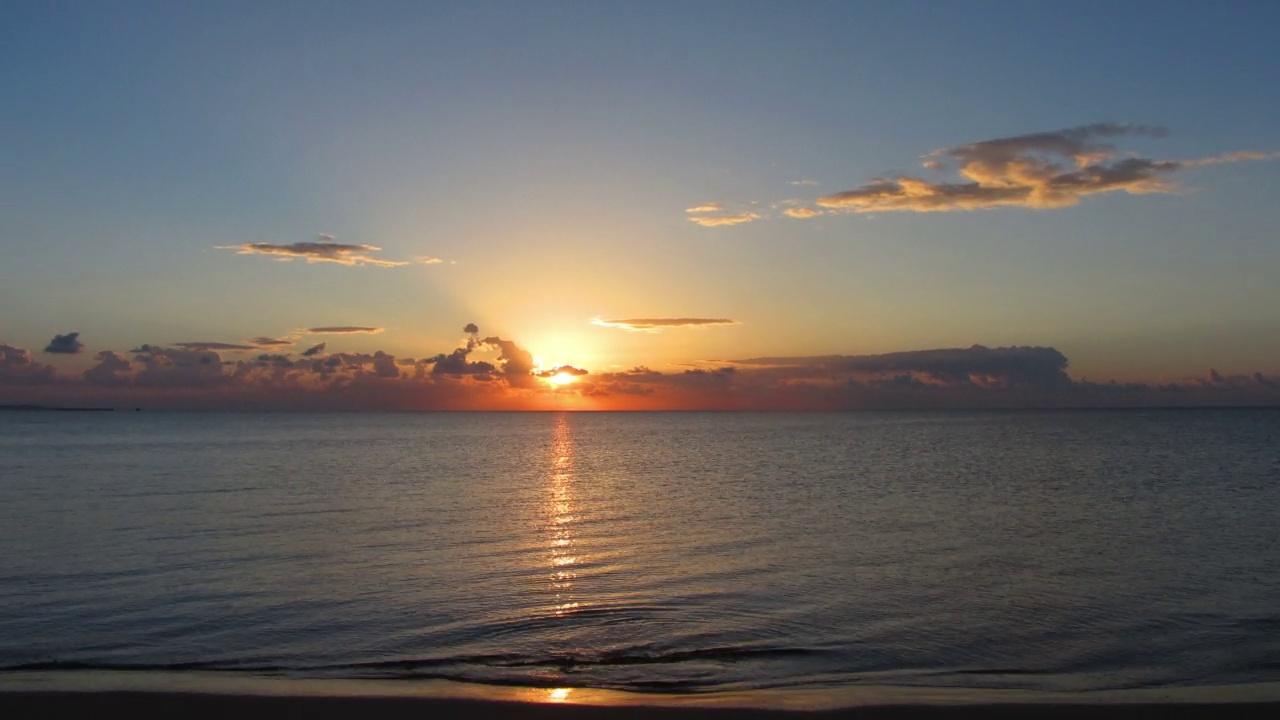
pixel 135 705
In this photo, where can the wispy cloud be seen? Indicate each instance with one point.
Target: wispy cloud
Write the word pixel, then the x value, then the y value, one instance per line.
pixel 213 346
pixel 1233 157
pixel 1038 171
pixel 68 344
pixel 269 342
pixel 660 324
pixel 719 220
pixel 803 182
pixel 322 250
pixel 701 214
pixel 341 330
pixel 801 213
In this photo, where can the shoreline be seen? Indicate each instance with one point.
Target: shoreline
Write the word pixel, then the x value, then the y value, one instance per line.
pixel 137 705
pixel 139 694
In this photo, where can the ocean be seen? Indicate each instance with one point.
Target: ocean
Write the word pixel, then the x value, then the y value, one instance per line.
pixel 668 553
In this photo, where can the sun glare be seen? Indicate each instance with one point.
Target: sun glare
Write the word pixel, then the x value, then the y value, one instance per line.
pixel 560 379
pixel 559 694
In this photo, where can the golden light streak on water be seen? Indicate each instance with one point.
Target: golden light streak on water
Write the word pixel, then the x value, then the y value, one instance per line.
pixel 559 523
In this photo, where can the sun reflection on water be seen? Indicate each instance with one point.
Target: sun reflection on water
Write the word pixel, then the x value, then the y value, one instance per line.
pixel 559 694
pixel 560 521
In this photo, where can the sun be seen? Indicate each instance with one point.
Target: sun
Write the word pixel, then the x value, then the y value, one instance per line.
pixel 562 378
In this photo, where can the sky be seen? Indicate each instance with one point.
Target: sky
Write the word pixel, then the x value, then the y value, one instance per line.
pixel 738 205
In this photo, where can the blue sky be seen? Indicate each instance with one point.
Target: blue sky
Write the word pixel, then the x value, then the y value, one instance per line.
pixel 546 154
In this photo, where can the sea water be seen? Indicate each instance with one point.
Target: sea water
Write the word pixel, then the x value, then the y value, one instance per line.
pixel 655 552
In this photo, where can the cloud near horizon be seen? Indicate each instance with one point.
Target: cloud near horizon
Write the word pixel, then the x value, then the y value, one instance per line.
pixel 68 344
pixel 975 377
pixel 269 342
pixel 341 330
pixel 652 325
pixel 562 370
pixel 324 250
pixel 1037 171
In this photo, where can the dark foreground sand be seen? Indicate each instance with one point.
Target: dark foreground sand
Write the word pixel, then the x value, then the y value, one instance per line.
pixel 131 705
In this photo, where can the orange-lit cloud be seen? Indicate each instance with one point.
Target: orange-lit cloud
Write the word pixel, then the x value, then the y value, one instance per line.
pixel 801 213
pixel 1038 171
pixel 322 250
pixel 719 220
pixel 660 324
pixel 707 208
pixel 562 370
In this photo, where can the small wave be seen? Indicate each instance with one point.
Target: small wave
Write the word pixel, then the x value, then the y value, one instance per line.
pixel 68 665
pixel 495 668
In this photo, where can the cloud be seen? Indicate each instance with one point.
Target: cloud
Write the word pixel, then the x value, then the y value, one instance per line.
pixel 801 213
pixel 660 324
pixel 269 342
pixel 457 364
pixel 17 367
pixel 1039 171
pixel 112 369
pixel 1234 157
pixel 562 370
pixel 428 260
pixel 341 330
pixel 322 250
pixel 213 346
pixel 718 220
pixel 68 344
pixel 314 350
pixel 707 208
pixel 972 377
pixel 274 359
pixel 1033 367
pixel 517 363
pixel 803 182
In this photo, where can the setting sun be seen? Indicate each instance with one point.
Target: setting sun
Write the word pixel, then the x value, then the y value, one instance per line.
pixel 561 378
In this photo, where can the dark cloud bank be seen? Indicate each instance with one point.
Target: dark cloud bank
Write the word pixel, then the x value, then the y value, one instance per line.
pixel 495 373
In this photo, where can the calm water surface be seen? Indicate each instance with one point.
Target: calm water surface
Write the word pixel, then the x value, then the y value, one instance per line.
pixel 656 552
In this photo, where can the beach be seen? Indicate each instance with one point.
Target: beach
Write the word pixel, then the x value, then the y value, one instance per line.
pixel 70 694
pixel 137 705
